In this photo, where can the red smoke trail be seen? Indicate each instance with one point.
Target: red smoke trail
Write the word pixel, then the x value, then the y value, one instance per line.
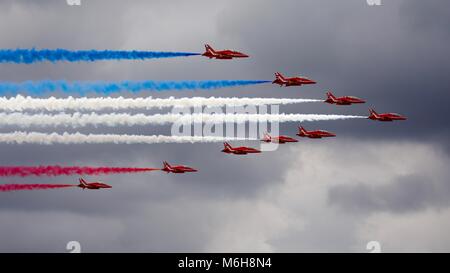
pixel 30 187
pixel 59 170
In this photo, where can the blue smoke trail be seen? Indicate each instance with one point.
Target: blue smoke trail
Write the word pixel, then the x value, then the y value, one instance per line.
pixel 82 88
pixel 29 56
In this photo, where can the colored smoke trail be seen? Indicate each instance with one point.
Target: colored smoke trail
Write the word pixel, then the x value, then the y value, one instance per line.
pixel 72 170
pixel 80 120
pixel 82 88
pixel 21 103
pixel 28 56
pixel 78 138
pixel 30 187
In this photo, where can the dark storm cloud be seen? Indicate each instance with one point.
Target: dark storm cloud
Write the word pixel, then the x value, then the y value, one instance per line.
pixel 395 56
pixel 406 194
pixel 431 16
pixel 393 61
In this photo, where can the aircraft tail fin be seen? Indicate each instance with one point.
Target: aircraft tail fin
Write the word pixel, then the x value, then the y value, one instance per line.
pixel 302 130
pixel 82 182
pixel 166 164
pixel 279 76
pixel 227 145
pixel 331 96
pixel 209 49
pixel 373 113
pixel 266 136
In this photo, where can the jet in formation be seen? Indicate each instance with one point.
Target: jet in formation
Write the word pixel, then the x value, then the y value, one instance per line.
pixel 278 139
pixel 293 81
pixel 385 116
pixel 177 169
pixel 92 185
pixel 302 132
pixel 238 150
pixel 346 100
pixel 222 54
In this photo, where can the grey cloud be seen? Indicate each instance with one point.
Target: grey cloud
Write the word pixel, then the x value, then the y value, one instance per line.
pixel 394 56
pixel 406 194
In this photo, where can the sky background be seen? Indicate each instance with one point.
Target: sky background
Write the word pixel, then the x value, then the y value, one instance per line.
pixel 387 182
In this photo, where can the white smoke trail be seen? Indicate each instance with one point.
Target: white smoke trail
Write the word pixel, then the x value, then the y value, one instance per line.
pixel 79 120
pixel 21 103
pixel 78 138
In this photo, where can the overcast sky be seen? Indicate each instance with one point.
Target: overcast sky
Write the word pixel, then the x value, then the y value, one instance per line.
pixel 387 182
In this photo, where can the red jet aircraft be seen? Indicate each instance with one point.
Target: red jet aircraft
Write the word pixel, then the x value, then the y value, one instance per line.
pixel 278 139
pixel 314 134
pixel 177 169
pixel 346 100
pixel 238 150
pixel 93 185
pixel 222 54
pixel 294 81
pixel 385 116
